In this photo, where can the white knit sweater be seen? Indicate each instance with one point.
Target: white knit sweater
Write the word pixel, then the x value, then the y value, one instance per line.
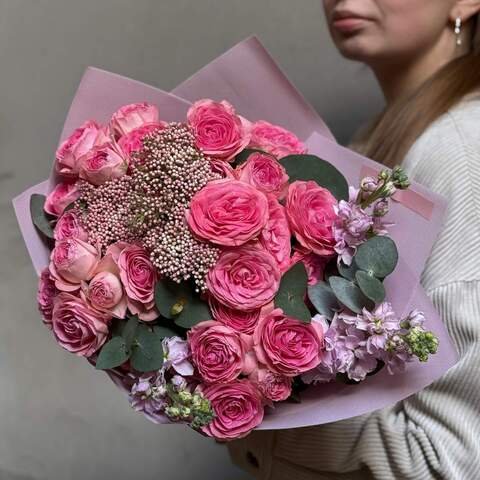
pixel 434 434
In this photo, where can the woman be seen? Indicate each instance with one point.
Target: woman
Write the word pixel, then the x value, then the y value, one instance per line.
pixel 426 58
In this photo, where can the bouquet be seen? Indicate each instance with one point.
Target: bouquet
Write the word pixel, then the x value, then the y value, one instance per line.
pixel 219 269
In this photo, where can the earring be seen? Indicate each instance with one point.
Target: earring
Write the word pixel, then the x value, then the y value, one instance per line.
pixel 458 26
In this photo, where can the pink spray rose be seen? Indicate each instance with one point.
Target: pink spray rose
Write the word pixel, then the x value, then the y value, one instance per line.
pixel 129 117
pixel 218 130
pixel 69 225
pixel 60 197
pixel 286 345
pixel 47 291
pixel 275 140
pixel 276 236
pixel 240 321
pixel 71 261
pixel 311 213
pixel 78 327
pixel 265 173
pixel 76 146
pixel 223 168
pixel 227 212
pixel 102 164
pixel 219 352
pixel 105 293
pixel 133 141
pixel 245 278
pixel 238 409
pixel 138 276
pixel 273 386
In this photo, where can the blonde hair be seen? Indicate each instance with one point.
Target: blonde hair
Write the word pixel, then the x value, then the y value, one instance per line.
pixel 389 137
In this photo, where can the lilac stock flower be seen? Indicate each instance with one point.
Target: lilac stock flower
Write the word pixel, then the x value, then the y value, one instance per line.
pixel 379 324
pixel 351 227
pixel 148 395
pixel 176 354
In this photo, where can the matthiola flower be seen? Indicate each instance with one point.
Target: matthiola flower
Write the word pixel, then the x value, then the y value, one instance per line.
pixel 177 355
pixel 149 395
pixel 379 324
pixel 351 227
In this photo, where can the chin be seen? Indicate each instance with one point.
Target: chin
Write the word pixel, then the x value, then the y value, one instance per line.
pixel 355 49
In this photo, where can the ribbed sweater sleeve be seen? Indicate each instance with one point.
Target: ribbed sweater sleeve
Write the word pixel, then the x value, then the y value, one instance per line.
pixel 434 434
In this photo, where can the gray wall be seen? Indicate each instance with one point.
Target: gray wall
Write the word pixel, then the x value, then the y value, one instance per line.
pixel 59 419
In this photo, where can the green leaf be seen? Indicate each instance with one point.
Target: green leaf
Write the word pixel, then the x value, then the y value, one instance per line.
pixel 378 255
pixel 242 157
pixel 323 299
pixel 348 271
pixel 129 331
pixel 194 311
pixel 370 286
pixel 169 294
pixel 147 351
pixel 291 293
pixel 116 327
pixel 113 354
pixel 39 216
pixel 310 167
pixel 349 294
pixel 163 332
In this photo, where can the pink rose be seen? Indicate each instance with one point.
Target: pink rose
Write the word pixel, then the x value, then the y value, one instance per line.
pixel 227 212
pixel 218 351
pixel 273 386
pixel 138 276
pixel 265 173
pixel 76 146
pixel 102 164
pixel 275 140
pixel 218 130
pixel 310 210
pixel 46 295
pixel 245 278
pixel 132 116
pixel 60 197
pixel 238 409
pixel 69 225
pixel 78 327
pixel 286 345
pixel 223 168
pixel 71 261
pixel 276 236
pixel 240 321
pixel 133 141
pixel 105 293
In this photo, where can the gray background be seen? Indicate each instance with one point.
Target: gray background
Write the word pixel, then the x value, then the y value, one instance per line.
pixel 59 419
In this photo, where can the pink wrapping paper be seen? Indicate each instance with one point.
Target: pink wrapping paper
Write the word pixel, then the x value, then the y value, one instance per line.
pixel 266 93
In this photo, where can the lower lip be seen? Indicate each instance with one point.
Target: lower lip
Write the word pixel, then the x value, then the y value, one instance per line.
pixel 349 24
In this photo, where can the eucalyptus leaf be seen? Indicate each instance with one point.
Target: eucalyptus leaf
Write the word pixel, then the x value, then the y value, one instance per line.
pixel 169 294
pixel 370 286
pixel 378 255
pixel 39 216
pixel 147 351
pixel 323 299
pixel 349 294
pixel 291 293
pixel 163 332
pixel 194 311
pixel 129 331
pixel 348 271
pixel 113 354
pixel 310 167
